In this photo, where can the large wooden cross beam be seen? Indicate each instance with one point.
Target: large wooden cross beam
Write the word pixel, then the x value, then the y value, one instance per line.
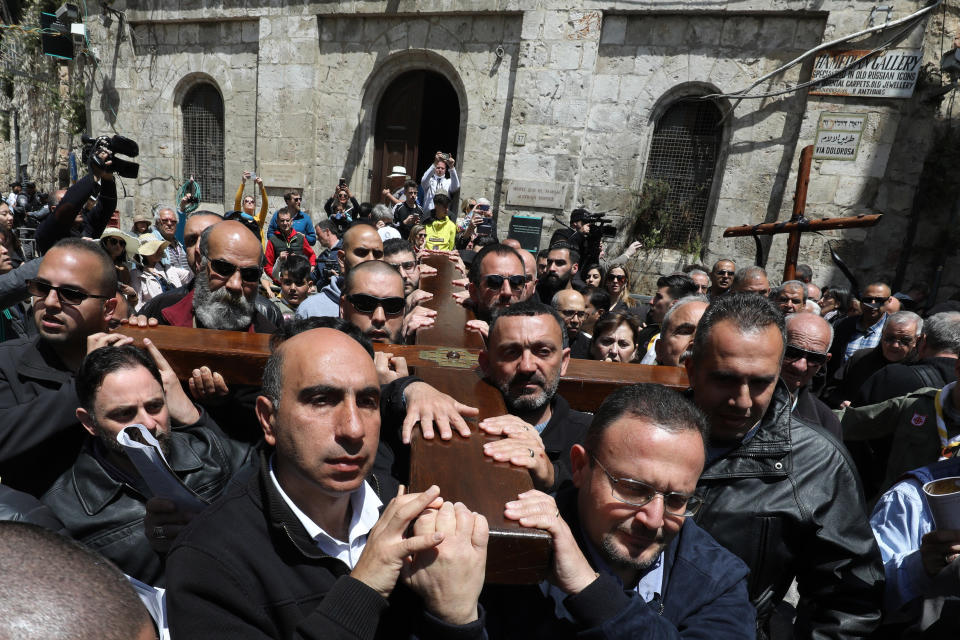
pixel 798 223
pixel 446 358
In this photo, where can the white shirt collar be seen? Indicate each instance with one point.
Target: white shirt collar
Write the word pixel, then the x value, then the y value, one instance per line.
pixel 365 506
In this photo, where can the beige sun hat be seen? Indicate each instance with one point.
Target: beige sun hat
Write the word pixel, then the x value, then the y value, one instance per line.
pixel 150 244
pixel 132 244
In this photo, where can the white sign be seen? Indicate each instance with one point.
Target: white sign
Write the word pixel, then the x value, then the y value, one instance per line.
pixel 276 174
pixel 547 195
pixel 891 73
pixel 838 136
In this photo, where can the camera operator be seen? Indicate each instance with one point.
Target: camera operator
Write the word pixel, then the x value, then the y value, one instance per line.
pixel 342 207
pixel 435 179
pixel 85 208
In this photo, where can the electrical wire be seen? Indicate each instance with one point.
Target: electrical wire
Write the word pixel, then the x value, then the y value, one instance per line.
pixel 740 95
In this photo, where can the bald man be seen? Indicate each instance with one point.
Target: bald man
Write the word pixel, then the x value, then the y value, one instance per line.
pixel 225 287
pixel 361 243
pixel 572 308
pixel 808 351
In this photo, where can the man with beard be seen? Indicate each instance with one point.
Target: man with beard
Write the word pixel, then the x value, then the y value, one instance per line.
pixel 527 353
pixel 373 300
pixel 628 560
pixel 103 501
pixel 399 253
pixel 231 261
pixel 562 265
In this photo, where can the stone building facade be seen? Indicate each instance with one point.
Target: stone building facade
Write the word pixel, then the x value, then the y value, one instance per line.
pixel 534 94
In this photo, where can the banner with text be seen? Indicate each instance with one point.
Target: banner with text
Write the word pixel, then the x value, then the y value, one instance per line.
pixel 891 73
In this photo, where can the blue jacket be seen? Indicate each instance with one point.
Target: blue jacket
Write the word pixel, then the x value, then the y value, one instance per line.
pixel 704 596
pixel 301 223
pixel 324 304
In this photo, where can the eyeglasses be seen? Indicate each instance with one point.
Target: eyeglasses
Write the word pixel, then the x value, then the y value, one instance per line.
pixel 404 266
pixel 570 313
pixel 226 270
pixel 795 353
pixel 364 303
pixel 639 494
pixel 495 281
pixel 116 240
pixel 421 235
pixel 296 199
pixel 618 278
pixel 894 340
pixel 876 301
pixel 65 294
pixel 724 272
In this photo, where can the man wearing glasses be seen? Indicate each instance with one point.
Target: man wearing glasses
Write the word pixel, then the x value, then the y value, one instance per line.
pixel 628 560
pixel 361 243
pixel 570 304
pixel 777 491
pixel 497 279
pixel 864 331
pixel 73 301
pixel 721 277
pixel 807 352
pixel 373 300
pixel 301 220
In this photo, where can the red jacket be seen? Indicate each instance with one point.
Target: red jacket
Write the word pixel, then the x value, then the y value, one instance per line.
pixel 295 242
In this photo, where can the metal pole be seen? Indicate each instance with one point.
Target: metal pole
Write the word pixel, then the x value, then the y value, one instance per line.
pixel 16 137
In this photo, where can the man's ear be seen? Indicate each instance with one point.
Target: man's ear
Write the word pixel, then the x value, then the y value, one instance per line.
pixel 565 361
pixel 265 415
pixel 580 464
pixel 574 268
pixel 86 420
pixel 483 359
pixel 109 307
pixel 341 260
pixel 343 300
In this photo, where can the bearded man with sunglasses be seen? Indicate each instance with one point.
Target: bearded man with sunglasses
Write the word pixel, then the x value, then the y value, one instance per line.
pixel 73 302
pixel 628 561
pixel 373 300
pixel 778 491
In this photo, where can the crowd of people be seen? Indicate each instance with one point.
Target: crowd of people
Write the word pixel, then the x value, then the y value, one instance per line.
pixel 779 496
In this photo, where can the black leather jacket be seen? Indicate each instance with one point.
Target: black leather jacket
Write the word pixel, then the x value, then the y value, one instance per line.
pixel 788 502
pixel 105 510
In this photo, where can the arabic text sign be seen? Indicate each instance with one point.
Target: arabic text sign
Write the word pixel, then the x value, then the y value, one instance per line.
pixel 889 74
pixel 838 136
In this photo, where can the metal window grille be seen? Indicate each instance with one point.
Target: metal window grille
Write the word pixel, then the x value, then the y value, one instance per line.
pixel 686 142
pixel 203 140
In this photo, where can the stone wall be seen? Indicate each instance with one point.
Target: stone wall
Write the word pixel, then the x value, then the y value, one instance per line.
pixel 583 88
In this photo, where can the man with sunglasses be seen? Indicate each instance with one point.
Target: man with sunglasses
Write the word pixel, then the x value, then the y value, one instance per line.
pixel 721 277
pixel 361 243
pixel 301 219
pixel 807 353
pixel 373 300
pixel 73 302
pixel 496 280
pixel 166 222
pixel 778 491
pixel 628 560
pixel 863 331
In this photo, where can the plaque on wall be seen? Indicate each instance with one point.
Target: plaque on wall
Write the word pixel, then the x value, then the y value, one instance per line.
pixel 545 195
pixel 276 174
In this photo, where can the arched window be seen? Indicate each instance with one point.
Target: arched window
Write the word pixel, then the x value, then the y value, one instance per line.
pixel 203 140
pixel 682 163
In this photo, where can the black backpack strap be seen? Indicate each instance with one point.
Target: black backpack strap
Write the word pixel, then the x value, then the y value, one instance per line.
pixel 929 375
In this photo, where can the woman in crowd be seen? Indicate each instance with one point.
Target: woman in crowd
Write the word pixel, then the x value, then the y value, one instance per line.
pixel 122 249
pixel 10 239
pixel 15 320
pixel 153 278
pixel 418 235
pixel 435 179
pixel 617 284
pixel 593 275
pixel 466 211
pixel 248 204
pixel 834 304
pixel 615 338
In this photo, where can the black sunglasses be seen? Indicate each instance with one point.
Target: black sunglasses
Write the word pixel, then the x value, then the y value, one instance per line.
pixel 65 294
pixel 495 281
pixel 724 272
pixel 877 301
pixel 226 270
pixel 795 353
pixel 364 303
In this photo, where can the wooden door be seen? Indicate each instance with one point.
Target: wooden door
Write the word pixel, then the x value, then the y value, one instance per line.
pixel 397 131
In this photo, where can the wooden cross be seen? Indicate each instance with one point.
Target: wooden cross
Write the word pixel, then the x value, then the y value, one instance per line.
pixel 458 466
pixel 798 223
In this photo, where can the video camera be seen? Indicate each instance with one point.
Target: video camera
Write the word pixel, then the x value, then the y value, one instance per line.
pixel 599 226
pixel 112 145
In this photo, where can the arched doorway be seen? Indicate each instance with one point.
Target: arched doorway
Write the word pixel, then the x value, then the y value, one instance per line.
pixel 418 115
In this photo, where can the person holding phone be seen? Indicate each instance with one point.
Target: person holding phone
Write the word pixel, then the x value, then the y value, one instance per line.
pixel 342 207
pixel 248 204
pixel 479 223
pixel 408 213
pixel 435 178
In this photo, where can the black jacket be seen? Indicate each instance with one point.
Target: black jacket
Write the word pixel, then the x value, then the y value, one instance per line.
pixel 846 383
pixel 810 408
pixel 580 347
pixel 566 428
pixel 898 379
pixel 789 504
pixel 40 435
pixel 246 568
pixel 17 506
pixel 60 224
pixel 104 510
pixel 703 595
